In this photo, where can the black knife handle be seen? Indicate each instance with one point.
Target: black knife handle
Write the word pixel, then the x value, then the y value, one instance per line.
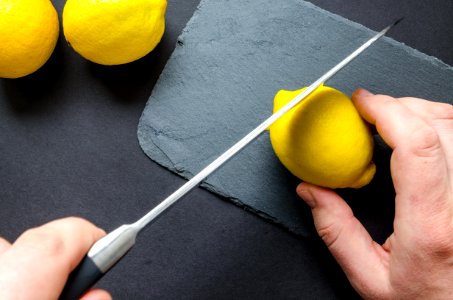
pixel 81 279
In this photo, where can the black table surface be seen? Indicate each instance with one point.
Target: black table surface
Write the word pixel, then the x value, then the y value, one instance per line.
pixel 69 147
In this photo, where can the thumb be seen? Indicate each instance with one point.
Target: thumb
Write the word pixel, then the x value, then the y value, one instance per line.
pixel 361 258
pixel 96 294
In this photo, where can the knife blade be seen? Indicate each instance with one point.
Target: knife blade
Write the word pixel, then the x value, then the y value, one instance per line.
pixel 110 249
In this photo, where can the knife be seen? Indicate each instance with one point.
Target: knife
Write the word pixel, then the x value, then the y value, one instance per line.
pixel 107 251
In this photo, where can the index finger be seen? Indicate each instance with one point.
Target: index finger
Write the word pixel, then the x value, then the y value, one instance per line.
pixel 418 164
pixel 44 256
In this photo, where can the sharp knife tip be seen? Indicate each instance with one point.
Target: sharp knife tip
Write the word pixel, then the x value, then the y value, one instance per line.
pixel 384 31
pixel 397 21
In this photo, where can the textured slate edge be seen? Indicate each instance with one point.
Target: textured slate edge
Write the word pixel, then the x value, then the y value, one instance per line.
pixel 165 161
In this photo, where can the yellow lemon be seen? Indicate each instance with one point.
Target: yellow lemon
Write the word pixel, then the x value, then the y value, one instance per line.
pixel 28 35
pixel 114 32
pixel 323 140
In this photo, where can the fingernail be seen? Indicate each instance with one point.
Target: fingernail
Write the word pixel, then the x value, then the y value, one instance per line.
pixel 362 93
pixel 306 195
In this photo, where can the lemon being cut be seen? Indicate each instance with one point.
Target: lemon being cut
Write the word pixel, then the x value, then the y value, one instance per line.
pixel 114 32
pixel 323 140
pixel 28 35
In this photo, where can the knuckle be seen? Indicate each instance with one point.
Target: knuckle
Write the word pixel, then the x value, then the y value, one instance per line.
pixel 425 142
pixel 445 111
pixel 385 97
pixel 77 222
pixel 438 244
pixel 443 118
pixel 447 120
pixel 440 248
pixel 329 234
pixel 388 103
pixel 44 241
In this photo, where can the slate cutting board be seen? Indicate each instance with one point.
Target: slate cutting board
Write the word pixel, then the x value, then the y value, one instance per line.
pixel 219 84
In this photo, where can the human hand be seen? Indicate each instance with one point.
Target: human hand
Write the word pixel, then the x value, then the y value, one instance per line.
pixel 37 265
pixel 416 261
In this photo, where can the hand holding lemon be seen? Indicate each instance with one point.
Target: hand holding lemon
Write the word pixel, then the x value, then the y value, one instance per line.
pixel 323 140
